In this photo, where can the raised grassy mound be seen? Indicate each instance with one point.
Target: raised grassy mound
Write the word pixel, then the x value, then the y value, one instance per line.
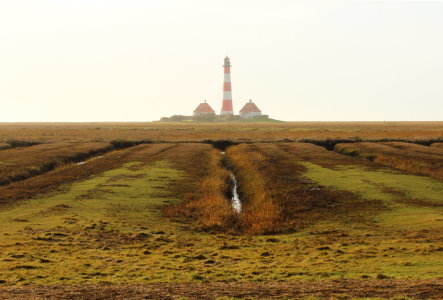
pixel 20 163
pixel 413 158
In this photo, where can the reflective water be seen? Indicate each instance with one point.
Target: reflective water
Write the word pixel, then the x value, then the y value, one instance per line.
pixel 236 203
pixel 83 162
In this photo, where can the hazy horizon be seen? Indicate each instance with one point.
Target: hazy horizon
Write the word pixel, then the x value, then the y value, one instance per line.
pixel 123 61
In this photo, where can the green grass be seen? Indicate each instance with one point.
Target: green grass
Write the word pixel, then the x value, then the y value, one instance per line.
pixel 110 208
pixel 402 239
pixel 109 229
pixel 392 187
pixel 373 184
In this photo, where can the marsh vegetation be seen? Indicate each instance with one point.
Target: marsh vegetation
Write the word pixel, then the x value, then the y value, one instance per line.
pixel 364 218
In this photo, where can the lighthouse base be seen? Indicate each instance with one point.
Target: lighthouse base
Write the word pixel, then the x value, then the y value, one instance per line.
pixel 222 113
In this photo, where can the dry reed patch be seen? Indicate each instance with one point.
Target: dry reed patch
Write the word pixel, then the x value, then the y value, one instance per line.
pixel 50 181
pixel 20 163
pixel 210 205
pixel 414 159
pixel 207 202
pixel 437 145
pixel 260 213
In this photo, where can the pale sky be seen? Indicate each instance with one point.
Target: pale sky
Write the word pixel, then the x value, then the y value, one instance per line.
pixel 133 60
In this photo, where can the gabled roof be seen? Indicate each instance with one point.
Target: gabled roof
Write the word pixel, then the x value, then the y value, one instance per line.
pixel 250 107
pixel 204 108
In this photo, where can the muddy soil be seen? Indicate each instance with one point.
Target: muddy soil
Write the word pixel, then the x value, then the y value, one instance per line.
pixel 380 288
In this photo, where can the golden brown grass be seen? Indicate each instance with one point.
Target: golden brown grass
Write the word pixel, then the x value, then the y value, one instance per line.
pixel 259 212
pixel 437 145
pixel 20 163
pixel 275 196
pixel 4 146
pixel 208 205
pixel 84 132
pixel 412 158
pixel 416 148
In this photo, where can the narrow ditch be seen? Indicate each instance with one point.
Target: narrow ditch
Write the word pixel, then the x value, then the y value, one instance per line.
pixel 236 203
pixel 79 159
pixel 233 186
pixel 329 144
pixel 233 194
pixel 20 143
pixel 90 159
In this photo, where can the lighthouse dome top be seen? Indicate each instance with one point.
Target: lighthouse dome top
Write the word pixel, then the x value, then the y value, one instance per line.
pixel 227 62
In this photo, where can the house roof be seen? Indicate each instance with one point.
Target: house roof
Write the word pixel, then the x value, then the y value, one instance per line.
pixel 250 107
pixel 204 108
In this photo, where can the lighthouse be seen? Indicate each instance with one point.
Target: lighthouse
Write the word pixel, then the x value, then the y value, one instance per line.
pixel 227 92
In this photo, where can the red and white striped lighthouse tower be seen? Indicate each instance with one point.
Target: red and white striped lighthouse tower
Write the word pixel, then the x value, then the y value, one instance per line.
pixel 227 92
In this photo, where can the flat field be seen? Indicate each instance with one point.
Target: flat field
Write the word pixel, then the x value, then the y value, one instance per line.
pixel 242 132
pixel 346 217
